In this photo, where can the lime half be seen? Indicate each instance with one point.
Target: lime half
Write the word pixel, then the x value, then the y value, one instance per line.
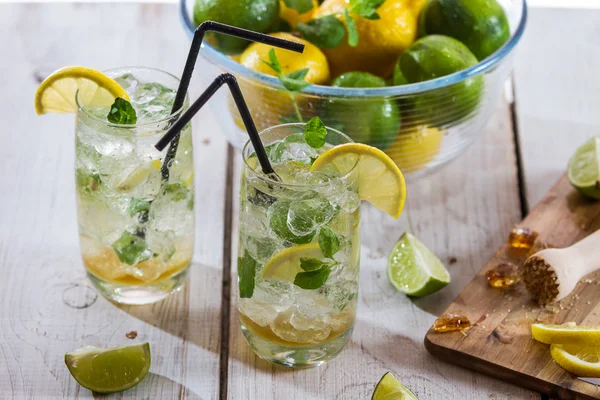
pixel 414 270
pixel 390 388
pixel 584 168
pixel 109 370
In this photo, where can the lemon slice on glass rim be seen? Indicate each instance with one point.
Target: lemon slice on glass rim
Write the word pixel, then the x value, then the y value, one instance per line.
pixel 380 181
pixel 56 94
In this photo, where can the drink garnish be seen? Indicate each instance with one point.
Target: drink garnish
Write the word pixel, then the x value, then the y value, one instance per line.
pixel 246 273
pixel 315 133
pixel 122 112
pixel 328 242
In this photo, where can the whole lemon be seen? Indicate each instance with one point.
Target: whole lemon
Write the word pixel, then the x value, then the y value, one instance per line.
pixel 312 58
pixel 270 105
pixel 292 17
pixel 414 149
pixel 380 41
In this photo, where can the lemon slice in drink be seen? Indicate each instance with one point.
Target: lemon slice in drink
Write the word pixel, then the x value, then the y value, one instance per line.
pixel 285 265
pixel 584 168
pixel 390 388
pixel 579 360
pixel 109 370
pixel 568 333
pixel 56 94
pixel 380 181
pixel 414 270
pixel 138 175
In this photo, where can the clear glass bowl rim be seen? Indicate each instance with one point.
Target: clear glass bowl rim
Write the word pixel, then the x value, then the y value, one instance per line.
pixel 220 59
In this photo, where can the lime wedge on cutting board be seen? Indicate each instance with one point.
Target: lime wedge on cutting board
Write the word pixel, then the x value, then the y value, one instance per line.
pixel 584 168
pixel 414 270
pixel 109 370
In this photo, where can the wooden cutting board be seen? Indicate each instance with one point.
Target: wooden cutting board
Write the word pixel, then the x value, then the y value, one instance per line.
pixel 500 343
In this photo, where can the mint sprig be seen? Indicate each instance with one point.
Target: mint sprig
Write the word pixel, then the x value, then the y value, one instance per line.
pixel 311 264
pixel 121 112
pixel 328 242
pixel 302 6
pixel 313 279
pixel 325 32
pixel 246 274
pixel 294 81
pixel 315 133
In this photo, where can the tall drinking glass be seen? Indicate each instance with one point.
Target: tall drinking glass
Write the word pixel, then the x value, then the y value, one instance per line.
pixel 299 247
pixel 136 228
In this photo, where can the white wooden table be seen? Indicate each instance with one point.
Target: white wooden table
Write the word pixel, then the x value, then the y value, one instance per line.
pixel 462 213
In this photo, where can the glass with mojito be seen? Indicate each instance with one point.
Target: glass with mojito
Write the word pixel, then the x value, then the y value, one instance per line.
pixel 299 246
pixel 136 222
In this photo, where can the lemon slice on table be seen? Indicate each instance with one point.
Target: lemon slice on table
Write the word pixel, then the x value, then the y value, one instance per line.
pixel 56 94
pixel 578 360
pixel 568 333
pixel 390 388
pixel 380 181
pixel 285 264
pixel 109 370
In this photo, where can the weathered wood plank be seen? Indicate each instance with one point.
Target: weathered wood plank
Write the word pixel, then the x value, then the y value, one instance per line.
pixel 462 213
pixel 47 306
pixel 556 88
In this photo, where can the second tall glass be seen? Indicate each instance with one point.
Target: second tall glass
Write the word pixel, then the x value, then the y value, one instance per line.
pixel 299 250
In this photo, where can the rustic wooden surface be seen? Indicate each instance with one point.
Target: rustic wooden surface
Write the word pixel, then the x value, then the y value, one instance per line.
pixel 501 344
pixel 462 213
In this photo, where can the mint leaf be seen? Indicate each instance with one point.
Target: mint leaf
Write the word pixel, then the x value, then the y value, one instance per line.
pixel 328 242
pixel 294 81
pixel 131 249
pixel 121 112
pixel 315 133
pixel 352 29
pixel 312 279
pixel 326 32
pixel 87 182
pixel 365 8
pixel 138 206
pixel 246 274
pixel 301 6
pixel 273 62
pixel 311 264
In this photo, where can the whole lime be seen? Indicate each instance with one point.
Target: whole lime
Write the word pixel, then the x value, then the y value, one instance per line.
pixel 257 15
pixel 480 24
pixel 432 57
pixel 373 121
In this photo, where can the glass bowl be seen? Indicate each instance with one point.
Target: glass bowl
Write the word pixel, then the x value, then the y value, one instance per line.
pixel 421 126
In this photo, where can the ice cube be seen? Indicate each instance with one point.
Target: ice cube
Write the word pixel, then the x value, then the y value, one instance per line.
pixel 259 312
pixel 294 326
pixel 306 216
pixel 128 82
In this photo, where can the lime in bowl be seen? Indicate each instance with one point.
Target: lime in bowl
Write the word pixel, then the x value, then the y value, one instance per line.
pixel 400 95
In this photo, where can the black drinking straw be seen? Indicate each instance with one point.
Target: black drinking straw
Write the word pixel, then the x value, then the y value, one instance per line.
pixel 212 26
pixel 173 132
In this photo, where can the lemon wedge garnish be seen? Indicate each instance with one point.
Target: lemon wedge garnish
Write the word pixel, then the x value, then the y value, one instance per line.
pixel 578 360
pixel 56 94
pixel 285 264
pixel 380 181
pixel 568 333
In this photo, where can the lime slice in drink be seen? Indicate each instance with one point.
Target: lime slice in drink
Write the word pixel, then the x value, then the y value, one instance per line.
pixel 109 370
pixel 390 388
pixel 285 264
pixel 414 270
pixel 584 168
